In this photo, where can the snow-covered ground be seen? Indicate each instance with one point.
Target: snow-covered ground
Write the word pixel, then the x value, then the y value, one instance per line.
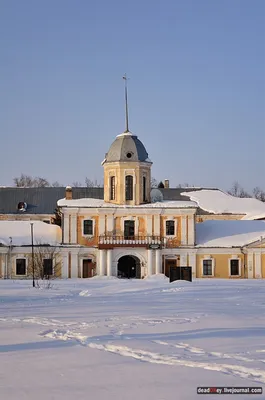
pixel 110 339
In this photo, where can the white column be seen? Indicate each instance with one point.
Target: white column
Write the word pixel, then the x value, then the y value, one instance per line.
pixel 110 223
pixel 184 230
pixel 101 227
pixel 73 229
pixel 149 225
pixel 149 262
pixel 74 265
pixel 157 225
pixel 183 260
pixel 258 274
pixel 158 262
pixel 102 262
pixel 250 265
pixel 65 266
pixel 192 264
pixel 191 230
pixel 66 228
pixel 109 262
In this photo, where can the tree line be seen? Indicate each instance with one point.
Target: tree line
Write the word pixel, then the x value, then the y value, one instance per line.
pixel 29 181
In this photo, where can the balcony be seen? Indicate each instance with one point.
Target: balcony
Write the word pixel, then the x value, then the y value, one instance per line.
pixel 108 242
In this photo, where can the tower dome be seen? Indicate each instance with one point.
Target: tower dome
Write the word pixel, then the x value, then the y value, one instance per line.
pixel 127 148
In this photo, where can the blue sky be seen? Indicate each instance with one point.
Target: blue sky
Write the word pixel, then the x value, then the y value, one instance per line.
pixel 196 88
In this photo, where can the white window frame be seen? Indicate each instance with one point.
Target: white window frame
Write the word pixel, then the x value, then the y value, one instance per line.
pixel 175 227
pixel 93 230
pixel 229 267
pixel 213 266
pixel 26 264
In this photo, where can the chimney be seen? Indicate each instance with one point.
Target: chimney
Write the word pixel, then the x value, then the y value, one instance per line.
pixel 166 184
pixel 68 193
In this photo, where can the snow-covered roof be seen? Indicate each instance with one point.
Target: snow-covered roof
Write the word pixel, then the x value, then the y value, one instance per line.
pixel 219 202
pixel 97 203
pixel 228 233
pixel 20 232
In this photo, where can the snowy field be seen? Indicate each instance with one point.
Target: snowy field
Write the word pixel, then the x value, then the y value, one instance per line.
pixel 108 339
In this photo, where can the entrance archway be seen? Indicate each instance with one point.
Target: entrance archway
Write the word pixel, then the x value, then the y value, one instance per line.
pixel 129 267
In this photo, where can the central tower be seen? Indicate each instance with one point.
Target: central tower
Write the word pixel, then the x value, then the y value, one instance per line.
pixel 127 168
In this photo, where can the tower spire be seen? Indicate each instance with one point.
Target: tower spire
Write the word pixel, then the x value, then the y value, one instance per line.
pixel 126 104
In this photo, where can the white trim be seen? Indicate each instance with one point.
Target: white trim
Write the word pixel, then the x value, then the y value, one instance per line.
pixel 93 227
pixel 213 266
pixel 191 230
pixel 250 265
pixel 229 266
pixel 183 230
pixel 73 228
pixel 258 271
pixel 66 228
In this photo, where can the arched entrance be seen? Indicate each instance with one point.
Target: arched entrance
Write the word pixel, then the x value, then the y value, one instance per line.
pixel 129 267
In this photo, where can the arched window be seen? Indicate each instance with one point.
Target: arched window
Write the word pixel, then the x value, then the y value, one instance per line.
pixel 112 188
pixel 144 188
pixel 129 187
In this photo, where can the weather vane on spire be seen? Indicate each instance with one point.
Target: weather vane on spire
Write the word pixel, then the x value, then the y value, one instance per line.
pixel 126 104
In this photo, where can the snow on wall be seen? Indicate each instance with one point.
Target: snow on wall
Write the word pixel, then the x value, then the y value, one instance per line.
pixel 219 202
pixel 20 232
pixel 228 233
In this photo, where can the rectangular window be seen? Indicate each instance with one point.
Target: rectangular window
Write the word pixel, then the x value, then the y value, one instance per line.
pixel 112 188
pixel 207 267
pixel 129 187
pixel 20 266
pixel 144 189
pixel 234 267
pixel 170 228
pixel 88 227
pixel 129 229
pixel 47 266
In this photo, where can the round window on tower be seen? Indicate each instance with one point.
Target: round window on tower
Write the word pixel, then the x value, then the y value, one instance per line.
pixel 129 155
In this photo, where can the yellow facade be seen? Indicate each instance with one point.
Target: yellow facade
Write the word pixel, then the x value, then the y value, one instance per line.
pixel 120 170
pixel 218 217
pixel 221 265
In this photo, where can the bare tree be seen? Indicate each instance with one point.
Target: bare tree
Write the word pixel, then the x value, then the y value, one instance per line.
pixel 154 183
pixel 29 181
pixel 77 184
pixel 90 183
pixel 259 194
pixel 238 191
pixel 45 264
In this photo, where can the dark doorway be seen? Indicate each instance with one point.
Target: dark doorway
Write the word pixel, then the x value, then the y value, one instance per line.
pixel 177 273
pixel 168 265
pixel 88 268
pixel 129 267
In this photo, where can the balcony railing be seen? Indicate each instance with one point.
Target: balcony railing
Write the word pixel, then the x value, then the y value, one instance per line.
pixel 106 241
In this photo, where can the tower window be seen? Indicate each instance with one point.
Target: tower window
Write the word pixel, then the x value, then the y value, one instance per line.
pixel 129 187
pixel 129 155
pixel 112 188
pixel 144 188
